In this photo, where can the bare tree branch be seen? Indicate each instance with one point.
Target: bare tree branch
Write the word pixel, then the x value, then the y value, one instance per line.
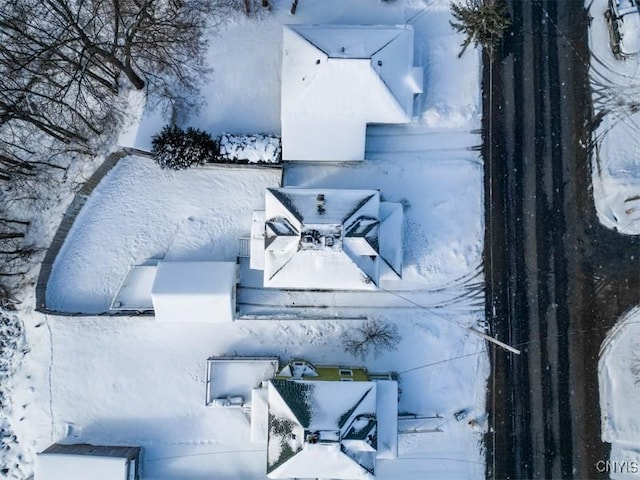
pixel 373 336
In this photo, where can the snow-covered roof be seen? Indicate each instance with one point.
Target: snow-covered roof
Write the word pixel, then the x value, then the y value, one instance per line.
pixel 297 370
pixel 57 466
pixel 338 78
pixel 135 291
pixel 322 429
pixel 259 415
pixel 387 400
pixel 194 292
pixel 327 239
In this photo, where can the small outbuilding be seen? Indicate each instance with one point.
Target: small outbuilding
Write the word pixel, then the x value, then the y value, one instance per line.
pixel 194 292
pixel 84 461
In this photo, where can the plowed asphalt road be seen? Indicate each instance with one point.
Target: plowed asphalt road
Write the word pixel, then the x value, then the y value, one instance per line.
pixel 556 279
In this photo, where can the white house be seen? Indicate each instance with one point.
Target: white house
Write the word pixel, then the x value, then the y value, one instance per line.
pixel 84 461
pixel 329 429
pixel 336 79
pixel 326 239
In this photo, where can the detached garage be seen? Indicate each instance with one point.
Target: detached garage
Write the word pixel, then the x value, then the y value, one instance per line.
pixel 85 461
pixel 194 292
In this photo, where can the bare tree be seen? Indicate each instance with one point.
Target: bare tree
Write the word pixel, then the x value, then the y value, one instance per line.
pixel 25 151
pixel 73 55
pixel 65 63
pixel 65 66
pixel 15 259
pixel 12 349
pixel 372 336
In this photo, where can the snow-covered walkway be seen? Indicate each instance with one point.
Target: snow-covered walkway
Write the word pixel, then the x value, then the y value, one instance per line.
pixel 420 141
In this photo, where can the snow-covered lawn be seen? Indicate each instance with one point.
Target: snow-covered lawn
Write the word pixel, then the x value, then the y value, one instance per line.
pixel 243 94
pixel 134 381
pixel 440 190
pixel 139 212
pixel 616 161
pixel 619 378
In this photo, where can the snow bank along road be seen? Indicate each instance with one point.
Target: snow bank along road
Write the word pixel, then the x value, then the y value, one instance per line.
pixel 556 279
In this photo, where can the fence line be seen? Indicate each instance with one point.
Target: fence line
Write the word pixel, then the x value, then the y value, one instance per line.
pixel 65 225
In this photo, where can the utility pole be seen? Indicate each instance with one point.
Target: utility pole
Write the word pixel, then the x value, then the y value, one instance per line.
pixel 493 340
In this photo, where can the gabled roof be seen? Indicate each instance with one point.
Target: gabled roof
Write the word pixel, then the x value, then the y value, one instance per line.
pixel 321 429
pixel 338 78
pixel 327 239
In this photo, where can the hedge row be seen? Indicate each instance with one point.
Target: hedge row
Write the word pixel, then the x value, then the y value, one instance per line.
pixel 176 149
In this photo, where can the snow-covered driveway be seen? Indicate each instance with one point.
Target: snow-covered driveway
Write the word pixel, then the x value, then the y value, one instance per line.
pixel 615 82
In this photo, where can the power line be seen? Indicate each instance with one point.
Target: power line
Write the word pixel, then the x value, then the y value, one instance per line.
pixel 201 454
pixel 423 307
pixel 420 12
pixel 441 361
pixel 467 328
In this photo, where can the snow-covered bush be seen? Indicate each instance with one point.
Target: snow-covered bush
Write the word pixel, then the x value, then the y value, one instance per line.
pixel 176 149
pixel 256 148
pixel 11 351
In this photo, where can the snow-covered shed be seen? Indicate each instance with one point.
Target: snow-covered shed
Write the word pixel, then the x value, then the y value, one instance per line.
pixel 85 461
pixel 326 239
pixel 194 292
pixel 336 79
pixel 326 429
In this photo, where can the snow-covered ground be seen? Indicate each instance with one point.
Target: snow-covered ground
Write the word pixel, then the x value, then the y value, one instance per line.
pixel 619 378
pixel 133 381
pixel 243 94
pixel 440 187
pixel 616 96
pixel 615 85
pixel 139 212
